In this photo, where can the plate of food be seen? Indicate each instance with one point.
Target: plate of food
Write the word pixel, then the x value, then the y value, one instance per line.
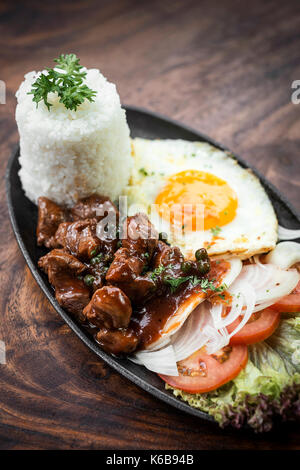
pixel 168 256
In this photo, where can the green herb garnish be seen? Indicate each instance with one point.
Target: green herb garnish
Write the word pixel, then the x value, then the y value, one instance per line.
pixel 94 252
pixel 174 282
pixel 143 172
pixel 157 271
pixel 205 284
pixel 66 79
pixel 215 230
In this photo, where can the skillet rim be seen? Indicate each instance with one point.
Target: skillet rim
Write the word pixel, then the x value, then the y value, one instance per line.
pixel 121 364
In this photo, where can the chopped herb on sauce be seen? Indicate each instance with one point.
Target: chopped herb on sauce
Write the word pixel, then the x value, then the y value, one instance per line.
pixel 157 271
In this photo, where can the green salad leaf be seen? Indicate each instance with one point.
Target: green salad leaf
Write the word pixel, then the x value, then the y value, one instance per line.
pixel 286 341
pixel 268 389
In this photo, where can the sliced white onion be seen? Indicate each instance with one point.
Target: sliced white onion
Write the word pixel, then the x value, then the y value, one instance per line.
pixel 287 234
pixel 161 362
pixel 248 294
pixel 190 337
pixel 216 339
pixel 257 261
pixel 256 288
pixel 161 343
pixel 284 255
pixel 243 303
pixel 235 269
pixel 217 310
pixel 269 282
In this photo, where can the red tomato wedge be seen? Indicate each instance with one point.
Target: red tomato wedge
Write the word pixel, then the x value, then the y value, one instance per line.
pixel 289 303
pixel 202 372
pixel 260 326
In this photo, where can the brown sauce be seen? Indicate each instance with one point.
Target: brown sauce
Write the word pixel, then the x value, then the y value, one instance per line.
pixel 149 320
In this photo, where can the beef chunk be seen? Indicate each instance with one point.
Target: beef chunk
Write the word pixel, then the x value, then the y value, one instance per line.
pixel 73 295
pixel 140 236
pixel 124 267
pixel 125 272
pixel 60 261
pixel 117 341
pixel 166 255
pixel 109 308
pixel 81 240
pixel 62 269
pixel 50 215
pixel 61 233
pixel 94 206
pixel 131 261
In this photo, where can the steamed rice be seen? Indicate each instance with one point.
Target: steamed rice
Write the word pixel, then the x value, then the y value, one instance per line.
pixel 66 155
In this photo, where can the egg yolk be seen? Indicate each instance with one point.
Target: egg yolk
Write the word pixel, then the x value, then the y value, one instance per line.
pixel 198 188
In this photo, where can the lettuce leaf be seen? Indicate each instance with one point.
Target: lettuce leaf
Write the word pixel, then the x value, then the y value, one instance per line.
pixel 268 389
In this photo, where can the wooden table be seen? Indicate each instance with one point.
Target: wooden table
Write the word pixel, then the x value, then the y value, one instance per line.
pixel 223 67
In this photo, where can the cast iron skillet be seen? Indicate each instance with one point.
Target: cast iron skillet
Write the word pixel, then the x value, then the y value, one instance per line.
pixel 23 215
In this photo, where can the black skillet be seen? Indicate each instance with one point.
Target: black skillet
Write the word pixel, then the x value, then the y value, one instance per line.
pixel 23 215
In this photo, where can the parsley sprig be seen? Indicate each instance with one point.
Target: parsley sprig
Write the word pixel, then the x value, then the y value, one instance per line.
pixel 66 79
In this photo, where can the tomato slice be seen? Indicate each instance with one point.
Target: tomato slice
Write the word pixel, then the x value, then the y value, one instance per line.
pixel 260 326
pixel 202 372
pixel 289 303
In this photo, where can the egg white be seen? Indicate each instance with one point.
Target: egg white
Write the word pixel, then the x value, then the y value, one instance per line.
pixel 254 228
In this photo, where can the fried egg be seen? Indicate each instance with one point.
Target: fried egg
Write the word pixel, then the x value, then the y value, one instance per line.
pixel 218 204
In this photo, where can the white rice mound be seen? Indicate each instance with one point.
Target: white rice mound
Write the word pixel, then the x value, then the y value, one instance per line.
pixel 66 155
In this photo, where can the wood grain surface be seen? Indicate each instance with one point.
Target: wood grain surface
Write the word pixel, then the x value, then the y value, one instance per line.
pixel 223 67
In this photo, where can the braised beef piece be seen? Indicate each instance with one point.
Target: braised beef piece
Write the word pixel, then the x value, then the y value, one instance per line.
pixel 80 238
pixel 109 308
pixel 165 255
pixel 58 261
pixel 140 236
pixel 90 262
pixel 117 341
pixel 73 295
pixel 94 206
pixel 124 267
pixel 50 215
pixel 61 233
pixel 125 272
pixel 62 269
pixel 132 260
